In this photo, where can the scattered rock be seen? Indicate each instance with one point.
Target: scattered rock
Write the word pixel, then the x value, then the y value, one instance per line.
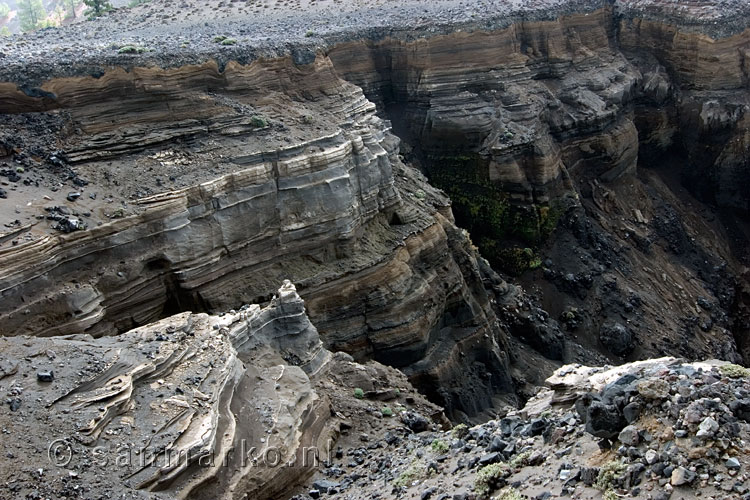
pixel 682 476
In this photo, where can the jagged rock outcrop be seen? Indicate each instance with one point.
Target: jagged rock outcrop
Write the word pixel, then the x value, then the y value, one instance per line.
pixel 239 405
pixel 682 433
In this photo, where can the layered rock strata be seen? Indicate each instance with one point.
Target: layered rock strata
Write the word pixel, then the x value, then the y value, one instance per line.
pixel 274 170
pixel 202 180
pixel 239 405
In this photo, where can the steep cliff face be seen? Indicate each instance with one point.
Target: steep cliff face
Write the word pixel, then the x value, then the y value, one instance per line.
pixel 544 122
pixel 202 188
pixel 159 185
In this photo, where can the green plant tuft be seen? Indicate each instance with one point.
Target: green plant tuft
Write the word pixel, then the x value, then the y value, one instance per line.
pixel 489 478
pixel 439 446
pixel 608 474
pixel 610 495
pixel 359 393
pixel 510 494
pixel 734 371
pixel 258 121
pixel 520 460
pixel 412 473
pixel 229 41
pixel 459 431
pixel 386 411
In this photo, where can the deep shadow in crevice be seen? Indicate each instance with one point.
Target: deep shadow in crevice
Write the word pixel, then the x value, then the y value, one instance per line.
pixel 177 299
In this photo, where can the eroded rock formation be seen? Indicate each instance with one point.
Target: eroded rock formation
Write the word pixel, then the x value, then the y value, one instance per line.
pixel 203 180
pixel 239 405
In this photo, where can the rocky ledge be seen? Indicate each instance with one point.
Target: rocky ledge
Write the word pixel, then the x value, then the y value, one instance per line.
pixel 656 429
pixel 239 405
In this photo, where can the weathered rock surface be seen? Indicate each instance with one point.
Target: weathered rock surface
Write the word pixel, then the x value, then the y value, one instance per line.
pixel 204 176
pixel 238 405
pixel 308 185
pixel 548 452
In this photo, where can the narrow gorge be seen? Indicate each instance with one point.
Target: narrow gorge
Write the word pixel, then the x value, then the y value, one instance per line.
pixel 469 196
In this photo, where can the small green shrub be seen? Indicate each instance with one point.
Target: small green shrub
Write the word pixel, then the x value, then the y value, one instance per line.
pixel 610 495
pixel 415 471
pixel 608 474
pixel 386 411
pixel 228 41
pixel 734 371
pixel 510 494
pixel 520 460
pixel 359 393
pixel 132 49
pixel 258 121
pixel 219 38
pixel 439 446
pixel 117 213
pixel 459 431
pixel 489 478
pixel 309 33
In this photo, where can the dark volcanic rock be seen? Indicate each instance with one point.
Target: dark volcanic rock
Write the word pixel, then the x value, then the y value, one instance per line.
pixel 616 338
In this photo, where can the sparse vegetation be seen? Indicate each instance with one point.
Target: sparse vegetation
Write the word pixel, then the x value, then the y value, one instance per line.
pixel 412 473
pixel 359 393
pixel 610 495
pixel 386 411
pixel 219 38
pixel 96 8
pixel 734 371
pixel 520 460
pixel 489 478
pixel 459 431
pixel 309 33
pixel 118 213
pixel 510 494
pixel 136 3
pixel 31 14
pixel 58 15
pixel 71 5
pixel 258 121
pixel 4 10
pixel 439 446
pixel 132 49
pixel 4 31
pixel 608 474
pixel 228 41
